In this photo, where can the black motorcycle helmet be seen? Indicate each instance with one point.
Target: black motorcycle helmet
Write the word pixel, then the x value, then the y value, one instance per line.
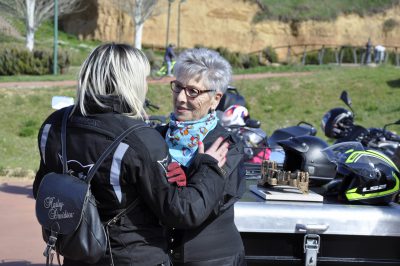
pixel 304 153
pixel 363 175
pixel 337 122
pixel 230 97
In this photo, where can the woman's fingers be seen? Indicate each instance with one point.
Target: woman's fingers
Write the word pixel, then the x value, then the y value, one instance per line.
pixel 201 147
pixel 216 144
pixel 218 151
pixel 222 162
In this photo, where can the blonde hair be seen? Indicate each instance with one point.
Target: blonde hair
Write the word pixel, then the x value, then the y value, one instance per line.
pixel 114 69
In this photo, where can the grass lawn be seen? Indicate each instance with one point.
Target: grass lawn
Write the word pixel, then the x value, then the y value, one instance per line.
pixel 276 102
pixel 300 10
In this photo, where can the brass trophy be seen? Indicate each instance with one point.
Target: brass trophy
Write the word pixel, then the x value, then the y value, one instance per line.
pixel 272 176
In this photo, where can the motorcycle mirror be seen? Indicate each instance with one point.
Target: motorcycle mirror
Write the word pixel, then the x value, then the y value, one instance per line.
pixel 58 102
pixel 345 98
pixel 395 123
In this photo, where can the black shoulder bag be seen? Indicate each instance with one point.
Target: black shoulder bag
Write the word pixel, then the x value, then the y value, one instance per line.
pixel 67 211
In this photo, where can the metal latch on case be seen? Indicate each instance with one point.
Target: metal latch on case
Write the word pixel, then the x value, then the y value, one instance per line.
pixel 311 249
pixel 311 240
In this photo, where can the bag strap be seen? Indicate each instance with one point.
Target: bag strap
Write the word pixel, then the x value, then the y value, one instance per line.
pixel 115 219
pixel 64 138
pixel 109 149
pixel 112 221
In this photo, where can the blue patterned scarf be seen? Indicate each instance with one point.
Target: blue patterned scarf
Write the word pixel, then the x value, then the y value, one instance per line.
pixel 183 136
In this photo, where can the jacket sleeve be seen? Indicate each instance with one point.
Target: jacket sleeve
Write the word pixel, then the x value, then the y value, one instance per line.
pixel 47 125
pixel 179 207
pixel 233 171
pixel 236 180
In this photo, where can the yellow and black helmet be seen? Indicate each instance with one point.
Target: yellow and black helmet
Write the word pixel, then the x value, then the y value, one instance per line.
pixel 363 175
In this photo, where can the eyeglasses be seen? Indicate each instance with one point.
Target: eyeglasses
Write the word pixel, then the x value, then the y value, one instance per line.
pixel 190 91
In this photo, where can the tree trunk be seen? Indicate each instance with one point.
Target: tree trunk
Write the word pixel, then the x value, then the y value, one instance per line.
pixel 137 18
pixel 30 24
pixel 30 39
pixel 138 35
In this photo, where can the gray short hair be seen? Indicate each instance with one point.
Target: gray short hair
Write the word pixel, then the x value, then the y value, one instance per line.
pixel 206 65
pixel 114 69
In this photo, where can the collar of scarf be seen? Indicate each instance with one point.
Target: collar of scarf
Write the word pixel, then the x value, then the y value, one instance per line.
pixel 183 136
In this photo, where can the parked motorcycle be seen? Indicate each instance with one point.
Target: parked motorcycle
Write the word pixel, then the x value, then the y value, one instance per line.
pixel 338 123
pixel 233 97
pixel 235 117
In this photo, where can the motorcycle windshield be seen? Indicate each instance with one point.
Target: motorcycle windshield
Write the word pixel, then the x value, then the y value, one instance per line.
pixel 355 156
pixel 253 137
pixel 340 151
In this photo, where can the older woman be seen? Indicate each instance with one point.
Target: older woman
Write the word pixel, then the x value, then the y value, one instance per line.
pixel 110 96
pixel 202 77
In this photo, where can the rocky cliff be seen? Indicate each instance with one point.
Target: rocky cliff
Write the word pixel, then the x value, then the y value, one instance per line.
pixel 228 23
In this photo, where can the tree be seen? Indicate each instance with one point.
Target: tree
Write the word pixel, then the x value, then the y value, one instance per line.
pixel 34 12
pixel 139 11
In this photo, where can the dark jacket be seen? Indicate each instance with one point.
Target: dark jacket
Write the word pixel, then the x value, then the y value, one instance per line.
pixel 217 237
pixel 137 168
pixel 169 54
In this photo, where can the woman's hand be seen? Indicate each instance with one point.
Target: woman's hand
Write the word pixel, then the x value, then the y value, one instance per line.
pixel 217 150
pixel 176 174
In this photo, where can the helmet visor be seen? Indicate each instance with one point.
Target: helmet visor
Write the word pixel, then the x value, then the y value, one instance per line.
pixel 324 120
pixel 361 161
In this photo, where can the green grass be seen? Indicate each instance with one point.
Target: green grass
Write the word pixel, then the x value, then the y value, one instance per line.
pixel 323 10
pixel 276 102
pixel 282 68
pixel 21 113
pixel 70 75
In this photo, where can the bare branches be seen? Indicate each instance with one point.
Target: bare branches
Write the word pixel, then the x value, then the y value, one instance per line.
pixel 43 9
pixel 34 12
pixel 147 7
pixel 139 11
pixel 14 7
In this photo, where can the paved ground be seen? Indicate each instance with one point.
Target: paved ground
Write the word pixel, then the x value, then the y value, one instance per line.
pixel 20 234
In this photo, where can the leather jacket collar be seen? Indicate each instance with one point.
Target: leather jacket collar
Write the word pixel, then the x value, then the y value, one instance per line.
pixel 112 103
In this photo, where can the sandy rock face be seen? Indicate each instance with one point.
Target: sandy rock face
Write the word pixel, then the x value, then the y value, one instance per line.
pixel 228 23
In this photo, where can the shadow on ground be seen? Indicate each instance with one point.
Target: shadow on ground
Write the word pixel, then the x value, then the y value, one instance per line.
pixel 395 84
pixel 19 263
pixel 21 190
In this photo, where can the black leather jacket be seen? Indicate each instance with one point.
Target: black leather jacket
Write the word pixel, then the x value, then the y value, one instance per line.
pixel 137 168
pixel 216 237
